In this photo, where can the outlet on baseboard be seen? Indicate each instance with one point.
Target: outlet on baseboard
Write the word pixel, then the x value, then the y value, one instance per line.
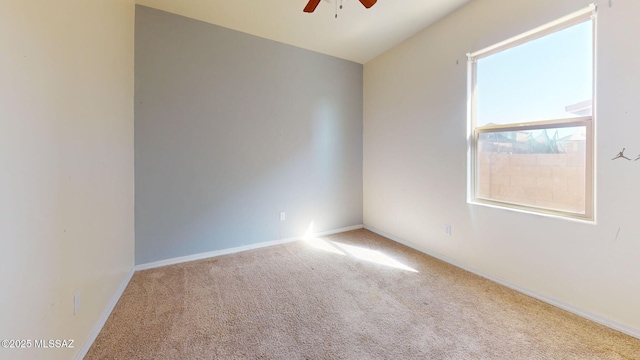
pixel 76 303
pixel 447 230
pixel 283 216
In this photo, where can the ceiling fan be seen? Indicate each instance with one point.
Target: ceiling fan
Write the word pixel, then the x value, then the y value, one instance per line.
pixel 312 4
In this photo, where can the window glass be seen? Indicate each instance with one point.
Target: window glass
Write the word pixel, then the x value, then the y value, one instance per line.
pixel 540 168
pixel 543 79
pixel 532 121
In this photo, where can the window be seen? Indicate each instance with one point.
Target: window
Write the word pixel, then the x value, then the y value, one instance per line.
pixel 531 101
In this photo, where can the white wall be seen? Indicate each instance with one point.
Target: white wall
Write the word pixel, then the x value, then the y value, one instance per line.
pixel 66 162
pixel 415 156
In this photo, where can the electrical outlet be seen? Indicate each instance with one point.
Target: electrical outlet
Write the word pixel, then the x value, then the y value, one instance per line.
pixel 447 230
pixel 283 216
pixel 76 303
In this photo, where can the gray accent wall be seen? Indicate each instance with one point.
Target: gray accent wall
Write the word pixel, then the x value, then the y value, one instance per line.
pixel 231 130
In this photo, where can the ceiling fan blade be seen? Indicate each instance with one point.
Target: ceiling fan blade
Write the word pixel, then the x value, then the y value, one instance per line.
pixel 311 6
pixel 368 3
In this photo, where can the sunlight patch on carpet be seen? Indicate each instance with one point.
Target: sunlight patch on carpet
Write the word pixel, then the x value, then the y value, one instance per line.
pixel 360 253
pixel 323 245
pixel 357 252
pixel 372 256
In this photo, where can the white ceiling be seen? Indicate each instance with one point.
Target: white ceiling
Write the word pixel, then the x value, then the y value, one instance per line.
pixel 358 34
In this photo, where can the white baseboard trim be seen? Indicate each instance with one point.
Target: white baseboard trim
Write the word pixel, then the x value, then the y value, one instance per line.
pixel 337 231
pixel 629 330
pixel 211 254
pixel 105 315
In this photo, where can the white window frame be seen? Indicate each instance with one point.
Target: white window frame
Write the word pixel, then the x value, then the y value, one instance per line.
pixel 474 131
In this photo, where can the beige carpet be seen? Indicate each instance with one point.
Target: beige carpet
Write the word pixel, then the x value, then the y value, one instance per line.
pixel 340 298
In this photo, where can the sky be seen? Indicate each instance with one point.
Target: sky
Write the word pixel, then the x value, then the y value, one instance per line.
pixel 536 80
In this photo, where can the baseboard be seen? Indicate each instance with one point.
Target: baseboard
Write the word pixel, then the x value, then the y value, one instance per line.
pixel 105 315
pixel 337 231
pixel 211 254
pixel 629 330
